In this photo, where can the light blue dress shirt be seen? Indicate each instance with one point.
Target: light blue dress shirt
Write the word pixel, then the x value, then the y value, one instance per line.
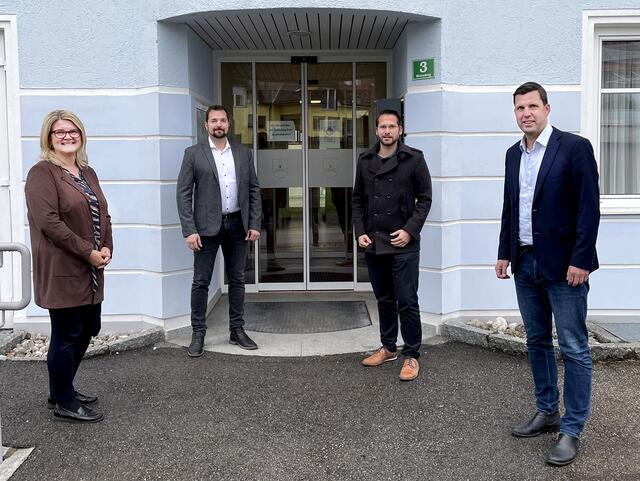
pixel 530 162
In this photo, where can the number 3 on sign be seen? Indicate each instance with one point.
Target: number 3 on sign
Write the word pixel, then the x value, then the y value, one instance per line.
pixel 424 68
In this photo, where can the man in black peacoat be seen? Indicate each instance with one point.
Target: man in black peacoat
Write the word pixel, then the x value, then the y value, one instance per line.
pixel 391 200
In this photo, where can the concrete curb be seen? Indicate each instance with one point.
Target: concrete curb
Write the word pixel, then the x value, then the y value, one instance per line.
pixel 137 340
pixel 460 331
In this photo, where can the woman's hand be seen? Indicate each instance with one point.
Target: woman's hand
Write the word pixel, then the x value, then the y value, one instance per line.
pixel 106 255
pixel 96 259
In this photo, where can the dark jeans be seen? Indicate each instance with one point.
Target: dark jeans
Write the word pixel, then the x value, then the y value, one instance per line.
pixel 538 299
pixel 394 279
pixel 231 239
pixel 71 331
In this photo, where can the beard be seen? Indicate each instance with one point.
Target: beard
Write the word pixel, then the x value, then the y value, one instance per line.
pixel 387 140
pixel 218 134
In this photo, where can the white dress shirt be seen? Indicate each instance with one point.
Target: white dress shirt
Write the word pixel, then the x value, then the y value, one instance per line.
pixel 226 168
pixel 530 162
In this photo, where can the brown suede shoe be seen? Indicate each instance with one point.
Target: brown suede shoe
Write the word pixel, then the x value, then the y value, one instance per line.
pixel 379 357
pixel 410 369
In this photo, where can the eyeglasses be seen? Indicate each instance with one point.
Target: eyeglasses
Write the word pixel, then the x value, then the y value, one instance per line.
pixel 61 134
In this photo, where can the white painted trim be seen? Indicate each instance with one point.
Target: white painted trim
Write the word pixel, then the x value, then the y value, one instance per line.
pixel 470 178
pixel 483 89
pixel 138 182
pixel 604 220
pixel 8 24
pixel 129 272
pixel 456 268
pixel 146 226
pixel 619 220
pixel 482 267
pixel 446 223
pixel 106 92
pixel 598 24
pixel 135 138
pixel 142 226
pixel 619 266
pixel 452 133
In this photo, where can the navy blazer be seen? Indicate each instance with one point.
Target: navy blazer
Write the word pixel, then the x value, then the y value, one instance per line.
pixel 566 207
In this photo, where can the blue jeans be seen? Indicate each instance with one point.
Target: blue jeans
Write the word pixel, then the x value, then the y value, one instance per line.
pixel 232 240
pixel 538 299
pixel 394 278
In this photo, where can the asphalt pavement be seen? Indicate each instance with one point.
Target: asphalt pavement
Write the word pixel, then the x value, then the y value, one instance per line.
pixel 226 417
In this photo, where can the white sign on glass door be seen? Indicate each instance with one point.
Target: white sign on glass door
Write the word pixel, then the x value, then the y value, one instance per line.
pixel 281 131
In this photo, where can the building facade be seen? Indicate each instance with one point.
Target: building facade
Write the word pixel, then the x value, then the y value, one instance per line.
pixel 303 82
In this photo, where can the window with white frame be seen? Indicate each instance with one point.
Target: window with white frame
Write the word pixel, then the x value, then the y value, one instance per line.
pixel 620 116
pixel 611 104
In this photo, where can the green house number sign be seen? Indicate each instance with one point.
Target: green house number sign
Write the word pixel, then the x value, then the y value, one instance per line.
pixel 423 69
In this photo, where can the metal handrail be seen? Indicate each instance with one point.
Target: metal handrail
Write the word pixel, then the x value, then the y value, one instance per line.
pixel 26 277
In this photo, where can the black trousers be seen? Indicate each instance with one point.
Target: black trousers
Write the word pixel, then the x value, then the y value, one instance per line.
pixel 394 279
pixel 71 331
pixel 234 248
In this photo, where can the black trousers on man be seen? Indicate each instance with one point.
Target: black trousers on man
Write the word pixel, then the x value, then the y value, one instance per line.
pixel 71 331
pixel 232 240
pixel 394 278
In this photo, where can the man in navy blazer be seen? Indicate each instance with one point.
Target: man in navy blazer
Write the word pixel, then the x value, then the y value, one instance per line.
pixel 550 221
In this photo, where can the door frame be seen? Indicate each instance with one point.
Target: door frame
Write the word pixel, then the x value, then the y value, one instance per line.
pixel 255 57
pixel 12 227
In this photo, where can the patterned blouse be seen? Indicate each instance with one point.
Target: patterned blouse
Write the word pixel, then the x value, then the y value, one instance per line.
pixel 94 205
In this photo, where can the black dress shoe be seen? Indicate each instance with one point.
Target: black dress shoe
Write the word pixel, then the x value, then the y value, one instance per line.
pixel 196 348
pixel 564 452
pixel 539 424
pixel 82 414
pixel 240 338
pixel 82 398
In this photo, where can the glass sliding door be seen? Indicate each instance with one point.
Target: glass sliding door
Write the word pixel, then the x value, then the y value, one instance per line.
pixel 306 124
pixel 371 84
pixel 278 122
pixel 330 172
pixel 237 98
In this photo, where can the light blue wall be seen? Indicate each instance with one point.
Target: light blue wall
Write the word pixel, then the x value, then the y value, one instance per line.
pixel 136 142
pixel 201 75
pixel 72 45
pixel 507 42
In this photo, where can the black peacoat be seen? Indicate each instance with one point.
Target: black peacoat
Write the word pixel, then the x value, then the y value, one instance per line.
pixel 389 196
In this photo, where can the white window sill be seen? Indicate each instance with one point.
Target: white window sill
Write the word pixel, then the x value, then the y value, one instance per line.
pixel 620 205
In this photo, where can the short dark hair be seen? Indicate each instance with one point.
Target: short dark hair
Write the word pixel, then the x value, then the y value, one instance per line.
pixel 389 112
pixel 527 87
pixel 217 107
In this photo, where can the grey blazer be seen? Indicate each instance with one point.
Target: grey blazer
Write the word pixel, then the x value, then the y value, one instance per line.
pixel 198 190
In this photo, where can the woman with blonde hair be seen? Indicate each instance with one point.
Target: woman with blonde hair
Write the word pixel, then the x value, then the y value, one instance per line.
pixel 71 242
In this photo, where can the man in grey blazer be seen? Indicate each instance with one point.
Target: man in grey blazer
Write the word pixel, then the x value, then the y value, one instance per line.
pixel 219 206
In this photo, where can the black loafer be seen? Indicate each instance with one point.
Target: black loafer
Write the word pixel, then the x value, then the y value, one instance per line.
pixel 196 348
pixel 240 338
pixel 564 452
pixel 81 415
pixel 82 398
pixel 540 423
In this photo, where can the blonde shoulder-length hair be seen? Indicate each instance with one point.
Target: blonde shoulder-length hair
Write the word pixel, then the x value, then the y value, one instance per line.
pixel 46 149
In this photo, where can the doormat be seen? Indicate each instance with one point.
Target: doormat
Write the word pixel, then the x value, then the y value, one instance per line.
pixel 305 317
pixel 627 331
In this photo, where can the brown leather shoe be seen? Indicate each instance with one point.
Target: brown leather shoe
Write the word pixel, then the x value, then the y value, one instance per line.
pixel 410 369
pixel 379 357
